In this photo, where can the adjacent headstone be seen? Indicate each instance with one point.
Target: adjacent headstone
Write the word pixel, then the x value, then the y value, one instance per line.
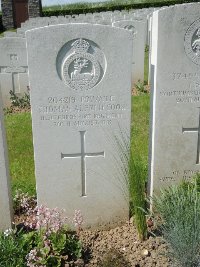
pixel 175 112
pixel 13 67
pixel 80 82
pixel 11 34
pixel 5 189
pixel 149 43
pixel 138 29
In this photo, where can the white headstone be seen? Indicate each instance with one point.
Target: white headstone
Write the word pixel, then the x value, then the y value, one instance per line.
pixel 138 29
pixel 6 211
pixel 13 67
pixel 80 97
pixel 175 112
pixel 149 42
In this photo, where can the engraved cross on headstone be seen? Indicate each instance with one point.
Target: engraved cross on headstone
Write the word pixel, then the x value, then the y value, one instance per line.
pixel 195 130
pixel 14 70
pixel 83 155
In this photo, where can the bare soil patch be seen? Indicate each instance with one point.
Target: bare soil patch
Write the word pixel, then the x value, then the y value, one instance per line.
pixel 120 247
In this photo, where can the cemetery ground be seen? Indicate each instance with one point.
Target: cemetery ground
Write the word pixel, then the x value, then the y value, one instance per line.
pixel 118 247
pixel 125 245
pixel 110 189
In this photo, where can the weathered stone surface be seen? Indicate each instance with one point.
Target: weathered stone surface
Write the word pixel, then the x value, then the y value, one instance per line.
pixel 138 29
pixel 5 190
pixel 13 67
pixel 175 142
pixel 80 83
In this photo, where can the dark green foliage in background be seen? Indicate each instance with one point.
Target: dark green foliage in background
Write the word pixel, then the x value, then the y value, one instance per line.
pixel 82 8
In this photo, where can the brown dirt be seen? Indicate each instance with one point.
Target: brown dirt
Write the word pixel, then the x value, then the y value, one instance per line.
pixel 120 247
pixel 12 109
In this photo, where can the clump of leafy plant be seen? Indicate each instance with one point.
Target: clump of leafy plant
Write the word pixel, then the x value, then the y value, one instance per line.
pixel 141 88
pixel 52 243
pixel 20 102
pixel 177 210
pixel 45 240
pixel 14 246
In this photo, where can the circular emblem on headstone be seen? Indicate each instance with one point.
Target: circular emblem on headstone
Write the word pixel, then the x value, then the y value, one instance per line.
pixel 83 65
pixel 192 42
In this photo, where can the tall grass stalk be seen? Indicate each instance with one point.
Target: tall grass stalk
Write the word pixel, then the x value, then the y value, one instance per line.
pixel 137 180
pixel 179 210
pixel 134 172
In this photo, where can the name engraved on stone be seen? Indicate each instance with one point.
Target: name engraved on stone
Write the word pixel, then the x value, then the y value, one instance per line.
pixel 177 174
pixel 195 130
pixel 167 178
pixel 83 155
pixel 188 95
pixel 83 65
pixel 79 111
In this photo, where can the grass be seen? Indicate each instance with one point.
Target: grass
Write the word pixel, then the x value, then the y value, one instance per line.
pixel 140 127
pixel 138 162
pixel 20 150
pixel 20 146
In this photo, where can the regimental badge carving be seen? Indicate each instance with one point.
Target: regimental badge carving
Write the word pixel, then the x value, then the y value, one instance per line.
pixel 83 65
pixel 13 58
pixel 192 42
pixel 131 28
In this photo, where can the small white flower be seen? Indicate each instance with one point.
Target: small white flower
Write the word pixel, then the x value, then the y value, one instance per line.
pixel 8 232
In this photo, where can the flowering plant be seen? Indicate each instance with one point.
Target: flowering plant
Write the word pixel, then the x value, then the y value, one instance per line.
pixel 44 240
pixel 23 202
pixel 52 242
